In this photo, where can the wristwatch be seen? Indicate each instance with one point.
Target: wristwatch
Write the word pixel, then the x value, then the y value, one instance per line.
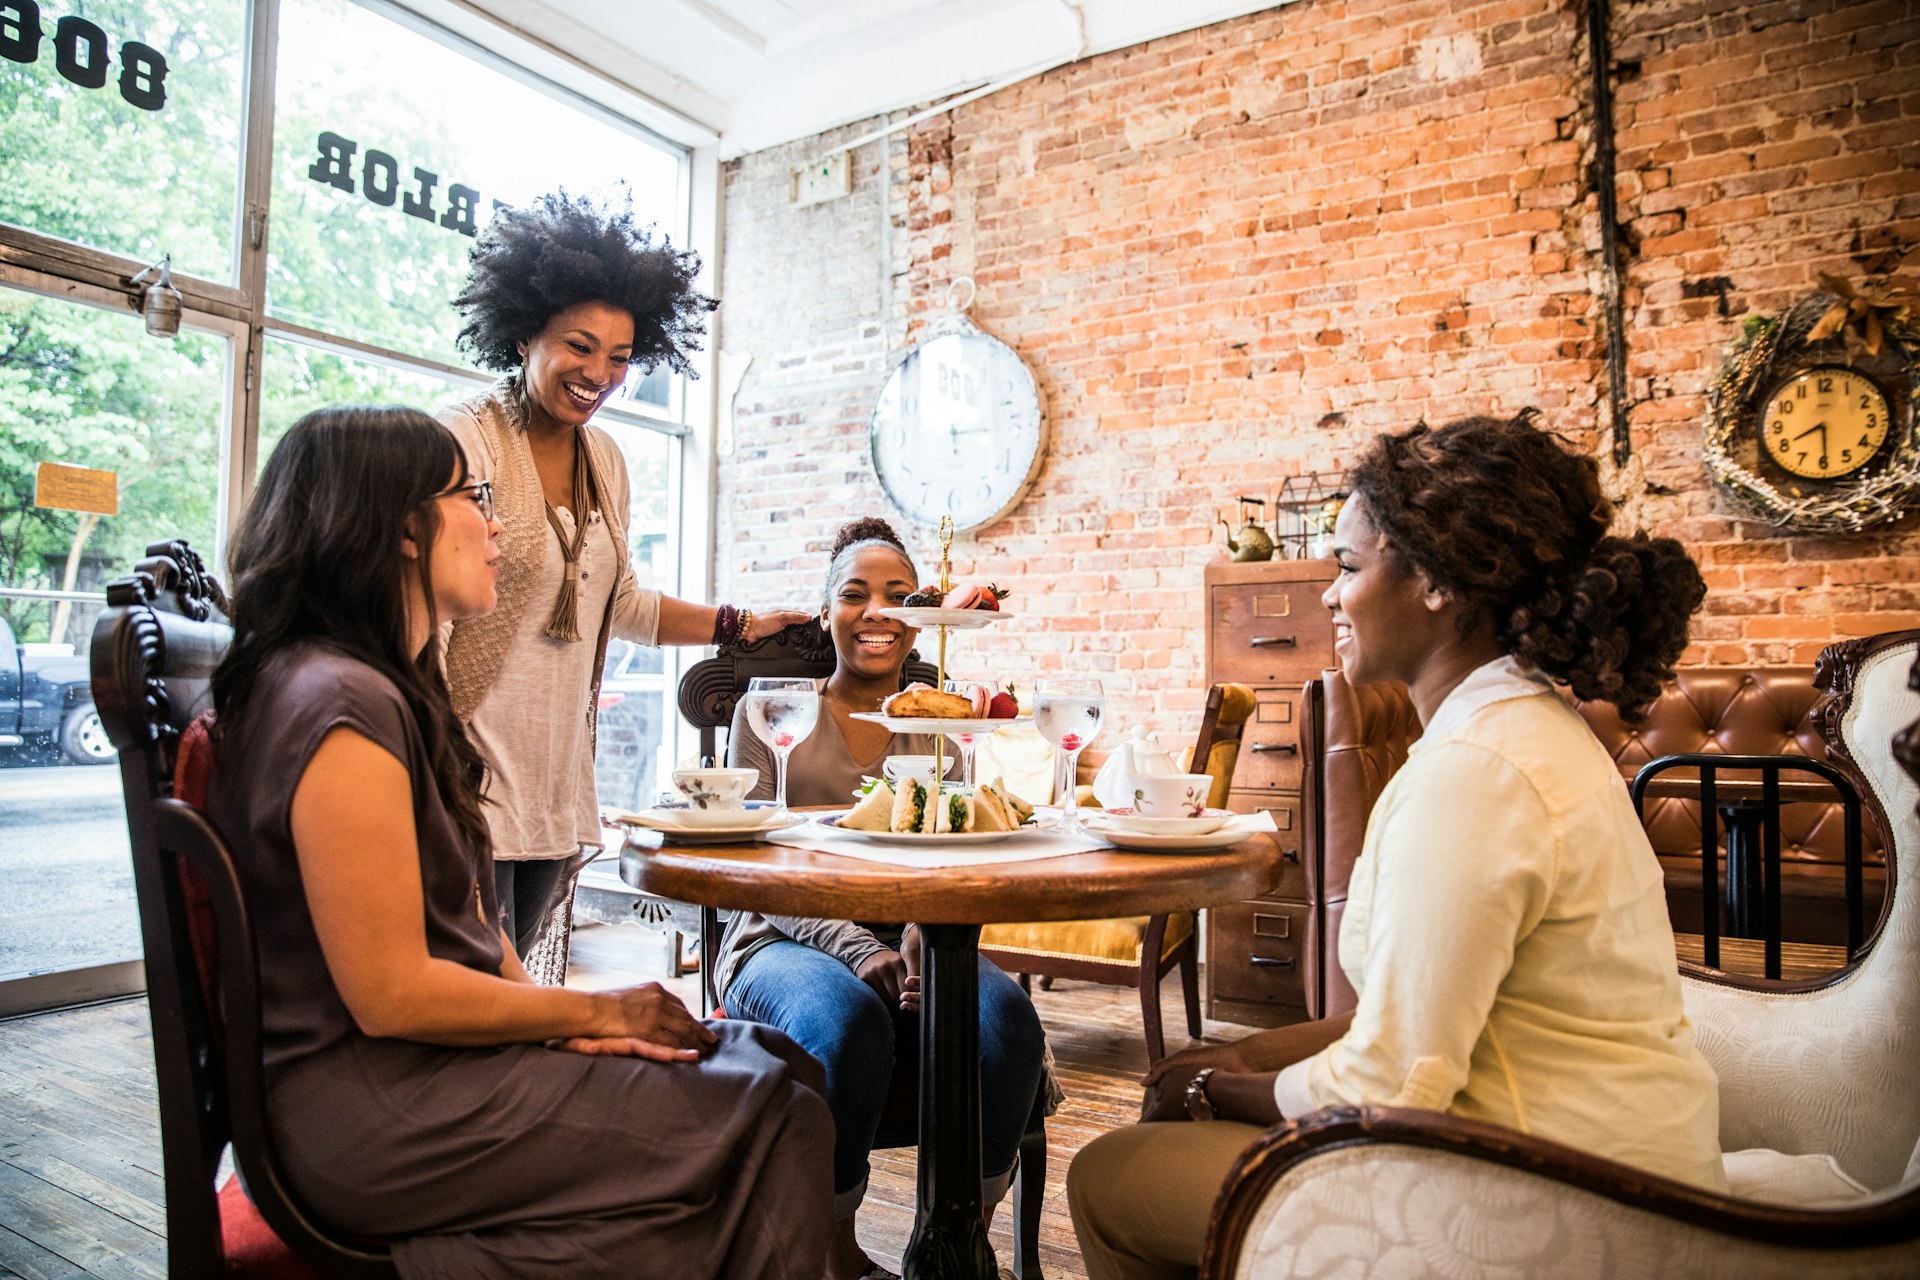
pixel 1199 1105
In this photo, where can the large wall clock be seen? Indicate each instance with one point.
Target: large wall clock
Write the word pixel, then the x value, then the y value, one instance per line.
pixel 1812 419
pixel 957 429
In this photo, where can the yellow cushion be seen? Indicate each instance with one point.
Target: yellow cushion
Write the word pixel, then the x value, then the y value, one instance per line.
pixel 1236 704
pixel 1117 940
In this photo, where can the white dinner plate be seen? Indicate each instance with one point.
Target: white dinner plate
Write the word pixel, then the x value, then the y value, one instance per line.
pixel 921 616
pixel 1141 824
pixel 1143 843
pixel 831 821
pixel 668 824
pixel 933 724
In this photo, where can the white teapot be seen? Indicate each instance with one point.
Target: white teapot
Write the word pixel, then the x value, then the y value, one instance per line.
pixel 1138 754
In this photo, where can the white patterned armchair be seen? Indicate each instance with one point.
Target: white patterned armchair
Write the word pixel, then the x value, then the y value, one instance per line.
pixel 1822 1078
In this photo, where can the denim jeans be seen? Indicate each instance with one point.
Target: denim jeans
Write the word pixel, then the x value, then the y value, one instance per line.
pixel 840 1020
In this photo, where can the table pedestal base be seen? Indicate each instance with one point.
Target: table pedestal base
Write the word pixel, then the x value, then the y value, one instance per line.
pixel 949 1240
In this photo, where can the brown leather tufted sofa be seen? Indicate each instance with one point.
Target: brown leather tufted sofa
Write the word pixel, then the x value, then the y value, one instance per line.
pixel 1743 711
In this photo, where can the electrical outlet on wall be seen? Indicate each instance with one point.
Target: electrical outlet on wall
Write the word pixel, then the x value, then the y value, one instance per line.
pixel 823 180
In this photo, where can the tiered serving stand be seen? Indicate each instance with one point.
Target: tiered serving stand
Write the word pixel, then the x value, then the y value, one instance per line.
pixel 921 617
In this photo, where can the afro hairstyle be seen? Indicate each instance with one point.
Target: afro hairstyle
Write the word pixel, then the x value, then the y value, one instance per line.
pixel 530 264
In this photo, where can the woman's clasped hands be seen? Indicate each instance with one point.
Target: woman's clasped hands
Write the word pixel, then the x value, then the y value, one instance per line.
pixel 895 975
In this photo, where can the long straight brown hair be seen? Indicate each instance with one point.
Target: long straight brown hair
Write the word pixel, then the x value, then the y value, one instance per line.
pixel 318 558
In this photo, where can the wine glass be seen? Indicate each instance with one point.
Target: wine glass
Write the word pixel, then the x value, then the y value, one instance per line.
pixel 783 711
pixel 964 741
pixel 1067 712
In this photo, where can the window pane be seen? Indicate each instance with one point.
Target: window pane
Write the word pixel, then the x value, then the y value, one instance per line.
pixel 299 379
pixel 391 150
pixel 82 388
pixel 635 702
pixel 120 125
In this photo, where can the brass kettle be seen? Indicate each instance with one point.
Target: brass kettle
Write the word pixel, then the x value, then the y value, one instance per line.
pixel 1252 541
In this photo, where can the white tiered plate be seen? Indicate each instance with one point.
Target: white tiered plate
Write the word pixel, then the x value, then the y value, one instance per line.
pixel 933 724
pixel 922 616
pixel 755 822
pixel 831 821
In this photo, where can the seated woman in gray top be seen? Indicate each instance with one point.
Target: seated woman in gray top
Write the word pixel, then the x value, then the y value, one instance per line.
pixel 421 1088
pixel 849 992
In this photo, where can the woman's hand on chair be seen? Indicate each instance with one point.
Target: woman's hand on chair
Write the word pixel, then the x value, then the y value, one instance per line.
pixel 765 624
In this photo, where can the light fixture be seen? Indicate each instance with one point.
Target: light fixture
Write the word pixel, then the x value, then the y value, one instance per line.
pixel 159 302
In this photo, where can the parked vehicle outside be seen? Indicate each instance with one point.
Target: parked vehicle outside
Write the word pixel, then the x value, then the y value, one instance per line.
pixel 46 700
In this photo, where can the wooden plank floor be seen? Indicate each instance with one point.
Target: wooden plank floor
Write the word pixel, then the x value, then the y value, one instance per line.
pixel 80 1180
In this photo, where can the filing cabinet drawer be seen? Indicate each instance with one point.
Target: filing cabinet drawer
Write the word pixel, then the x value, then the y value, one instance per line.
pixel 1267 632
pixel 1270 746
pixel 1264 953
pixel 1297 876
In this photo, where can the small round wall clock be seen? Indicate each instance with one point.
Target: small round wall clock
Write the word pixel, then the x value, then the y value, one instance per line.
pixel 1811 422
pixel 957 429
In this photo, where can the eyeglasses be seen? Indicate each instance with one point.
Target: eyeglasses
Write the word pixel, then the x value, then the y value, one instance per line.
pixel 482 491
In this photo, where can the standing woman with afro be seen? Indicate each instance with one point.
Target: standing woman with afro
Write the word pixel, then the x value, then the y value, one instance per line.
pixel 563 297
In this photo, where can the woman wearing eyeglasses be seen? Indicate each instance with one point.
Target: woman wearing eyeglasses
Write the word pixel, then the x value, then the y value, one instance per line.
pixel 563 297
pixel 421 1089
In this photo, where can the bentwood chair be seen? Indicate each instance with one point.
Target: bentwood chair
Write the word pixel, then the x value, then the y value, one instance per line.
pixel 154 650
pixel 1819 1106
pixel 1135 951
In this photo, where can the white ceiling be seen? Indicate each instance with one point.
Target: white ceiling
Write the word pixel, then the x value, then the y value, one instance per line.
pixel 760 72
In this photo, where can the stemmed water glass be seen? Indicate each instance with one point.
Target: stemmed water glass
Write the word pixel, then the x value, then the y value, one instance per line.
pixel 964 741
pixel 1067 712
pixel 783 711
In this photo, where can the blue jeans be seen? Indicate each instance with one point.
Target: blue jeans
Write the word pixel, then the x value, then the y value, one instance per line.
pixel 840 1020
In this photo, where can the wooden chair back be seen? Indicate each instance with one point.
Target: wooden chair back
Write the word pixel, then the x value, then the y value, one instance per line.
pixel 154 650
pixel 712 687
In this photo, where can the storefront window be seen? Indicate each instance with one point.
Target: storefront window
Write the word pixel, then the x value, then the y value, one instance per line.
pixel 120 125
pixel 391 151
pixel 129 426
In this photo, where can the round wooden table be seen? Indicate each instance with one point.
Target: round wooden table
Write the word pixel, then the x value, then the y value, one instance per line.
pixel 949 904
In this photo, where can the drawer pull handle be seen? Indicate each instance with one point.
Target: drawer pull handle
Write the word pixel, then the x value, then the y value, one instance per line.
pixel 1291 855
pixel 1284 748
pixel 1273 642
pixel 1264 962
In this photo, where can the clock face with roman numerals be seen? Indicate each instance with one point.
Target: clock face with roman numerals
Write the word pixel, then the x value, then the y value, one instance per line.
pixel 957 429
pixel 1825 422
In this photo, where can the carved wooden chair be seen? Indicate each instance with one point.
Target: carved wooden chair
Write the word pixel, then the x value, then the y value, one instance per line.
pixel 1826 1072
pixel 709 692
pixel 154 650
pixel 1135 951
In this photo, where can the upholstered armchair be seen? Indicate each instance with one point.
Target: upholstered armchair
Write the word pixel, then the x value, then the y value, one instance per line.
pixel 1821 1079
pixel 1135 950
pixel 1353 739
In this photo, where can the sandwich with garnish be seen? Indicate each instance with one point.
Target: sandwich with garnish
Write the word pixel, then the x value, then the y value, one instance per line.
pixel 919 810
pixel 874 811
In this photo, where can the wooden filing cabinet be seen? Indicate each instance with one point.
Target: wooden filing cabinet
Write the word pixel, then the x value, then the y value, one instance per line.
pixel 1267 628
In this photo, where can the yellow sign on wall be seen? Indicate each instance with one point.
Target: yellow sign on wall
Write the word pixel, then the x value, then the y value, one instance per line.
pixel 77 489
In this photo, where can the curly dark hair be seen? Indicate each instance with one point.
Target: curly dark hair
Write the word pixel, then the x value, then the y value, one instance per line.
pixel 530 264
pixel 856 536
pixel 1504 519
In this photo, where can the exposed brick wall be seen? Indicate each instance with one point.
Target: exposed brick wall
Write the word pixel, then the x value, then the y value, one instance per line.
pixel 1235 254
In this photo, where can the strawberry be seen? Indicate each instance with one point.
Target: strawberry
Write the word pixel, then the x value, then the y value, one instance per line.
pixel 1002 707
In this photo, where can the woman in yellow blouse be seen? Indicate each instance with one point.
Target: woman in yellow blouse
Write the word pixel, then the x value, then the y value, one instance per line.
pixel 1507 928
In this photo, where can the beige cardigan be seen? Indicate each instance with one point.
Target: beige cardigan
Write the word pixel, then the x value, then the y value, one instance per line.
pixel 477 647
